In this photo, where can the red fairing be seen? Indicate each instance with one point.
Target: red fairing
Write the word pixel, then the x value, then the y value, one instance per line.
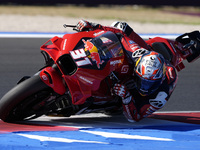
pixel 91 71
pixel 84 82
pixel 177 57
pixel 51 77
pixel 176 48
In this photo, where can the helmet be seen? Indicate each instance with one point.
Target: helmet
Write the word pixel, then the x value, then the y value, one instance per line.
pixel 149 72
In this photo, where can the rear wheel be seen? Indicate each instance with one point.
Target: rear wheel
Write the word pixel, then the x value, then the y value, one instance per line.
pixel 25 101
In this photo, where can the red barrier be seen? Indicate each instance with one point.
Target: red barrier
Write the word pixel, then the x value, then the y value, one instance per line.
pixel 187 117
pixel 11 127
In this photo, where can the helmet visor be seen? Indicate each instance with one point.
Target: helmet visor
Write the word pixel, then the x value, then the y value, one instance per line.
pixel 145 86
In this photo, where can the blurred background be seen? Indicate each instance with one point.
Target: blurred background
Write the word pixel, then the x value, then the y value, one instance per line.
pixel 144 16
pixel 153 3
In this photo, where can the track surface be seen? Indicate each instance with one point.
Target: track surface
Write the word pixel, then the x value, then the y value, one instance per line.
pixel 20 57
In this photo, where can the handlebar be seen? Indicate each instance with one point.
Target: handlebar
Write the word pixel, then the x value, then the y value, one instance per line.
pixel 71 26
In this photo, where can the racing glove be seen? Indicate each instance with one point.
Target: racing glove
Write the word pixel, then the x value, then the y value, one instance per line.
pixel 86 26
pixel 123 26
pixel 130 111
pixel 122 91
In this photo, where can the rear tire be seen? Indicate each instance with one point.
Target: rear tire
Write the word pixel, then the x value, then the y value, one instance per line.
pixel 20 102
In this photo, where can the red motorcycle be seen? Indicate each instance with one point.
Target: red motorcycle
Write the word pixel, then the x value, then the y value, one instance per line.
pixel 80 71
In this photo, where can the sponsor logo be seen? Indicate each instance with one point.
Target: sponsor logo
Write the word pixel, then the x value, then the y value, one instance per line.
pixel 95 57
pixel 115 62
pixel 134 47
pixel 64 44
pixel 88 45
pixel 159 101
pixel 44 77
pixel 98 33
pixel 93 52
pixel 86 80
pixel 125 69
pixel 139 52
pixel 131 42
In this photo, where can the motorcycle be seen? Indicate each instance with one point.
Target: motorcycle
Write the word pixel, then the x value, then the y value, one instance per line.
pixel 80 71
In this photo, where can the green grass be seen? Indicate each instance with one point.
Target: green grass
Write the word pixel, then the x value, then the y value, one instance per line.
pixel 126 13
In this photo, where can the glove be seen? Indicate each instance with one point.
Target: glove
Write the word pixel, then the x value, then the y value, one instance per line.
pixel 122 91
pixel 83 26
pixel 123 26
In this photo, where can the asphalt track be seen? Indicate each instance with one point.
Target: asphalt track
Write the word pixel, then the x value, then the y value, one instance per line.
pixel 21 56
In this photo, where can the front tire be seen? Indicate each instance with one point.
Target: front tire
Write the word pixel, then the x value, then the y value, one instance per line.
pixel 21 101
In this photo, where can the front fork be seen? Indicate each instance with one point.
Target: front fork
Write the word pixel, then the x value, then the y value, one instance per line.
pixel 53 78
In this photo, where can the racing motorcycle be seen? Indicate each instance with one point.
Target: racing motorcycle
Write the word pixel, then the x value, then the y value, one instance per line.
pixel 80 71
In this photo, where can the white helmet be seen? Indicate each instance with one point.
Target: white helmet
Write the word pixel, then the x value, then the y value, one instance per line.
pixel 149 72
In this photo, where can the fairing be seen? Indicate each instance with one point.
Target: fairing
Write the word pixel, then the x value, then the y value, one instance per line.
pixel 90 67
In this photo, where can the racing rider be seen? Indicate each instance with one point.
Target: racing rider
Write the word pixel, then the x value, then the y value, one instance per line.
pixel 153 80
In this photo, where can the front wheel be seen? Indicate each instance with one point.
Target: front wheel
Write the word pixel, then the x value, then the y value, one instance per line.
pixel 26 100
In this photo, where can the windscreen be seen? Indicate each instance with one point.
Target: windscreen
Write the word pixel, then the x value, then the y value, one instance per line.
pixel 94 53
pixel 108 45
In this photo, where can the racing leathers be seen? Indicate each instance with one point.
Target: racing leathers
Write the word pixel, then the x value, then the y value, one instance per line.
pixel 135 105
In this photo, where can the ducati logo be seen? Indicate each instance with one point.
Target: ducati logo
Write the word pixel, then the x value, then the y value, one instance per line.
pixel 44 77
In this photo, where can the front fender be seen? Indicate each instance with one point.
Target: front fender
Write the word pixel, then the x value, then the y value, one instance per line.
pixel 53 79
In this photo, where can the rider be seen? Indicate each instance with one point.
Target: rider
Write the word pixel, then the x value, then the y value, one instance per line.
pixel 153 80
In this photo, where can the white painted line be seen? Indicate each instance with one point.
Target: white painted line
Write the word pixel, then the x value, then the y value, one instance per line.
pixel 125 136
pixel 55 139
